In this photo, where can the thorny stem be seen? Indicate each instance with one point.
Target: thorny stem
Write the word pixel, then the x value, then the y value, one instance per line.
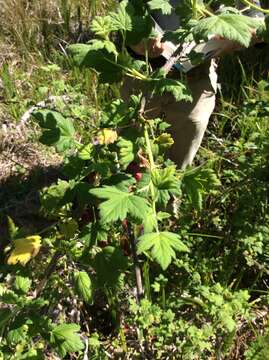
pixel 139 284
pixel 152 166
pixel 149 150
pixel 138 273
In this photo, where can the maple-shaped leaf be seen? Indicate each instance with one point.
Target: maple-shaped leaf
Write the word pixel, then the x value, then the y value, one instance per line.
pixel 163 5
pixel 162 245
pixel 199 182
pixel 22 284
pixel 119 204
pixel 101 26
pixel 122 18
pixel 24 249
pixel 165 183
pixel 100 55
pixel 126 151
pixel 65 339
pixel 58 130
pixel 160 85
pixel 233 27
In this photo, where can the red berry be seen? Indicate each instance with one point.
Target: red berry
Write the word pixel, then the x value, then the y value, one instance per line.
pixel 133 167
pixel 125 223
pixel 138 176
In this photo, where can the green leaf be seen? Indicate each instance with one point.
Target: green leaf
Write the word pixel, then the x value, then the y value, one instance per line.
pixel 161 85
pixel 132 19
pixel 263 30
pixel 65 339
pixel 52 198
pixel 68 228
pixel 119 204
pixel 162 246
pixel 9 297
pixel 85 152
pixel 229 26
pixel 101 26
pixel 126 153
pixel 199 182
pixel 5 316
pixel 150 222
pixel 12 228
pixel 165 183
pixel 121 19
pixel 83 286
pixel 142 26
pixel 109 264
pixel 17 335
pixel 58 131
pixel 100 56
pixel 22 284
pixel 163 5
pixel 92 233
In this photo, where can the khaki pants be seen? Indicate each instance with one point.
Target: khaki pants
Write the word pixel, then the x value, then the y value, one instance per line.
pixel 188 119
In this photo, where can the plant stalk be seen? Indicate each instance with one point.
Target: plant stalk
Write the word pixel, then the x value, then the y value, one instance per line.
pixel 49 270
pixel 138 273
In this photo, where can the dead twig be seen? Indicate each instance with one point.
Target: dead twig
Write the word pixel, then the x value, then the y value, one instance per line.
pixel 51 100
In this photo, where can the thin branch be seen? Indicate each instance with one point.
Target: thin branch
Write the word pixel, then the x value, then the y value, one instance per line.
pixel 40 105
pixel 138 272
pixel 48 272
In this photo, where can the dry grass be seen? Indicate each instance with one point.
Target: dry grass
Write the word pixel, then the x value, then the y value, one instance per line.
pixel 26 167
pixel 19 156
pixel 40 25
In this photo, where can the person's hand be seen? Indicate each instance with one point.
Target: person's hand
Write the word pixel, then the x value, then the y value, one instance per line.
pixel 226 46
pixel 229 46
pixel 155 47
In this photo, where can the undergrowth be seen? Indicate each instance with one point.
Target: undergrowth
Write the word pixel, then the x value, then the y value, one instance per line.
pixel 107 249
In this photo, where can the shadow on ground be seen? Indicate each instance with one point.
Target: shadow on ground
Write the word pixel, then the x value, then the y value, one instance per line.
pixel 19 199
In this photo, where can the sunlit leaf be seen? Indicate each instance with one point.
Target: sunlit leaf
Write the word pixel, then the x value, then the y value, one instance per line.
pixel 119 204
pixel 162 5
pixel 65 339
pixel 162 245
pixel 229 26
pixel 24 249
pixel 83 285
pixel 106 136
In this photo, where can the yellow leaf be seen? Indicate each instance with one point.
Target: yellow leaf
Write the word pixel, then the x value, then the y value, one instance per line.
pixel 24 249
pixel 165 140
pixel 107 136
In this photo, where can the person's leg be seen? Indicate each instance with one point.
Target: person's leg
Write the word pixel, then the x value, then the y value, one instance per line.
pixel 189 120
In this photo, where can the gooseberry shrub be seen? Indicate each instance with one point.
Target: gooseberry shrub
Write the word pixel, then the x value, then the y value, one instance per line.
pixel 116 213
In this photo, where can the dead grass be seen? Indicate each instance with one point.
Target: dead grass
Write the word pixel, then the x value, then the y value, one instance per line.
pixel 19 155
pixel 25 168
pixel 245 335
pixel 40 25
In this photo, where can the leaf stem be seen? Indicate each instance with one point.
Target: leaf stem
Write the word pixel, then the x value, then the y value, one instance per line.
pixel 49 270
pixel 149 150
pixel 204 11
pixel 152 166
pixel 255 7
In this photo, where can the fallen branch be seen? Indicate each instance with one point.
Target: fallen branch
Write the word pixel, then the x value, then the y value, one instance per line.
pixel 51 100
